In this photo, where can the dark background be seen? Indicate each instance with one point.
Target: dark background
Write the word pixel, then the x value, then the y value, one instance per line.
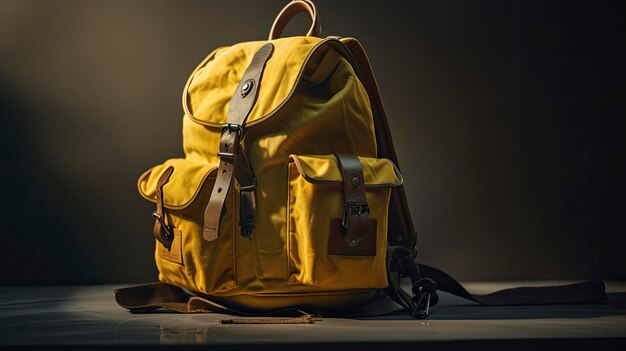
pixel 506 117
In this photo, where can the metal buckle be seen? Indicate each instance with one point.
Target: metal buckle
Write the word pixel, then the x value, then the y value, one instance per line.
pixel 351 207
pixel 226 155
pixel 248 187
pixel 232 127
pixel 164 227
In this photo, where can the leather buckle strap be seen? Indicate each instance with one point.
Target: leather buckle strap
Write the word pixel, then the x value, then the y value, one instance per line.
pixel 229 141
pixel 228 149
pixel 161 230
pixel 233 162
pixel 289 11
pixel 350 211
pixel 356 210
pixel 352 208
pixel 232 127
pixel 166 231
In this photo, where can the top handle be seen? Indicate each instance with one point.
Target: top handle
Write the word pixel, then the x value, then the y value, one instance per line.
pixel 290 10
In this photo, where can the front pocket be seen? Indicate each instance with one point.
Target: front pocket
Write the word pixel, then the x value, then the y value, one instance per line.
pixel 191 262
pixel 317 254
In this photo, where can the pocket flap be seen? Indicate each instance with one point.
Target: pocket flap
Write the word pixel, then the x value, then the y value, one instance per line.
pixel 183 186
pixel 324 169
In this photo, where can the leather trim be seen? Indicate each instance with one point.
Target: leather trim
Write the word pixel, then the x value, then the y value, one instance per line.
pixel 356 210
pixel 161 229
pixel 290 10
pixel 337 245
pixel 209 174
pixel 296 161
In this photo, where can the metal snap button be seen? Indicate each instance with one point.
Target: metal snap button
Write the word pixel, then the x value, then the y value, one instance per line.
pixel 355 181
pixel 246 88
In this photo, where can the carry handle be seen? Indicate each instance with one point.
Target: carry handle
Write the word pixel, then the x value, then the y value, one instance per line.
pixel 290 10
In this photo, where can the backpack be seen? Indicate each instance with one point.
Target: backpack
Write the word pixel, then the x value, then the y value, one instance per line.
pixel 290 195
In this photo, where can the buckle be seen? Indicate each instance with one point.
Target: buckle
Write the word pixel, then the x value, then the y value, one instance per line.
pixel 353 208
pixel 232 127
pixel 248 187
pixel 167 231
pixel 229 155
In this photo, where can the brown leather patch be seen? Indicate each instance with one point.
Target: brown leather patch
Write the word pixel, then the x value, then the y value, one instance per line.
pixel 175 253
pixel 337 245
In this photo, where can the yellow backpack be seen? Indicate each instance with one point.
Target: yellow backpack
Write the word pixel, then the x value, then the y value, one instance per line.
pixel 290 194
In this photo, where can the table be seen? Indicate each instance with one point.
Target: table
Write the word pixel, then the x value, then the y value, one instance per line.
pixel 88 315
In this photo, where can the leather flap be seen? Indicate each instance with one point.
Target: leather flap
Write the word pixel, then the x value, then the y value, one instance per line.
pixel 324 169
pixel 183 186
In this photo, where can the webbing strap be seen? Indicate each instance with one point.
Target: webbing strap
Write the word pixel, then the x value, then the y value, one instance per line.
pixel 582 292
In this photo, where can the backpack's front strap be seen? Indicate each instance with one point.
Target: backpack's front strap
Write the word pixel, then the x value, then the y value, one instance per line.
pixel 356 211
pixel 161 230
pixel 231 160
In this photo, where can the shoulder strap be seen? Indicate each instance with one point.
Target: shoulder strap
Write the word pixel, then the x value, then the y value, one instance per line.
pixel 401 228
pixel 582 292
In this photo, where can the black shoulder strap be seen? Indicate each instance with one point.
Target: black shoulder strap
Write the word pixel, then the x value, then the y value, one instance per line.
pixel 583 292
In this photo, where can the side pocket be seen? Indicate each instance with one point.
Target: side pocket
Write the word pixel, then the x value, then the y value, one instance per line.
pixel 191 262
pixel 317 254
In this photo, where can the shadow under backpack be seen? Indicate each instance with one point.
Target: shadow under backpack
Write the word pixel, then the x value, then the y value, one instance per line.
pixel 290 197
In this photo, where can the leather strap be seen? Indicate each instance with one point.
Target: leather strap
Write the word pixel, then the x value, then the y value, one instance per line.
pixel 356 211
pixel 152 296
pixel 240 106
pixel 162 232
pixel 304 319
pixel 290 10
